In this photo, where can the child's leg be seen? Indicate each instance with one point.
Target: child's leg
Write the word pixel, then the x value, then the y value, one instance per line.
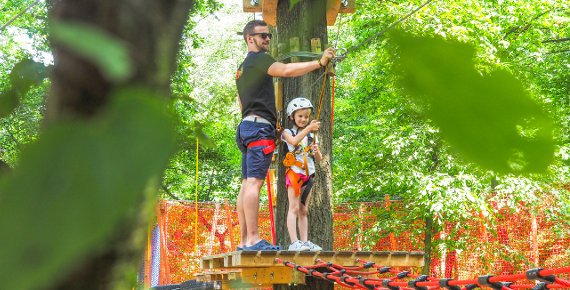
pixel 293 213
pixel 303 218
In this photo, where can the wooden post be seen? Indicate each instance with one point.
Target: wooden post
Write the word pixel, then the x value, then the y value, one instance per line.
pixel 294 45
pixel 161 212
pixel 148 257
pixel 316 45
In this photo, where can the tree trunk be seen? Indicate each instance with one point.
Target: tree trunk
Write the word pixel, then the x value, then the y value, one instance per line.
pixel 306 20
pixel 152 31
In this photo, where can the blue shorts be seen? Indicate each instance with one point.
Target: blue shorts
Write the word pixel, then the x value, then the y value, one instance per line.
pixel 254 163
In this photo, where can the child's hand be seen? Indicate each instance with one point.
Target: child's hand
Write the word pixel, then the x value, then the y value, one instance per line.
pixel 315 148
pixel 314 125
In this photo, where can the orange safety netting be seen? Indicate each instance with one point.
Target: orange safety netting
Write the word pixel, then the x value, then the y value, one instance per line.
pixel 519 240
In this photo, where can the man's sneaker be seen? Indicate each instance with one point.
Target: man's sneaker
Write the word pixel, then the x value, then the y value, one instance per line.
pixel 298 246
pixel 313 247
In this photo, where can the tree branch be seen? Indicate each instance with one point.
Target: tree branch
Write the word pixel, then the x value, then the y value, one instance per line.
pixel 557 40
pixel 167 191
pixel 558 51
pixel 19 14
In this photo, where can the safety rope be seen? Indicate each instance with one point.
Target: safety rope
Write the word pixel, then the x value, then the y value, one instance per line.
pixel 269 181
pixel 342 275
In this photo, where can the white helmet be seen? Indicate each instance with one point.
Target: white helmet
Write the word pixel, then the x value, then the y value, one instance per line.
pixel 297 104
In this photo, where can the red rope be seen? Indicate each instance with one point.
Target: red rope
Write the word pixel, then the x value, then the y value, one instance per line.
pixel 271 215
pixel 339 275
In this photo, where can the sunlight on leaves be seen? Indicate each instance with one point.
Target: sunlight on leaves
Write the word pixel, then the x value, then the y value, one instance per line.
pixel 73 186
pixel 106 51
pixel 490 119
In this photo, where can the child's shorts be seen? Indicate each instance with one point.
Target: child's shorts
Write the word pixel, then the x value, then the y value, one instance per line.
pixel 303 177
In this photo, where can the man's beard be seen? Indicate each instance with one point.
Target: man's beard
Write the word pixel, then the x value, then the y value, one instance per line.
pixel 261 47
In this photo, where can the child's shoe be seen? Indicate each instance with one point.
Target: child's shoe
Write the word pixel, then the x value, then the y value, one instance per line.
pixel 313 247
pixel 298 246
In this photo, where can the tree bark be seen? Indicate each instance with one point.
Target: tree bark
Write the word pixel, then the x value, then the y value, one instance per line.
pixel 306 20
pixel 152 31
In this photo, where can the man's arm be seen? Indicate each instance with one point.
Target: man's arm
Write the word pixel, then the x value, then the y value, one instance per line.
pixel 295 69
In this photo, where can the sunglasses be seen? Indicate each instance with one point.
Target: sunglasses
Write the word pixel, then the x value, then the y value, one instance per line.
pixel 263 35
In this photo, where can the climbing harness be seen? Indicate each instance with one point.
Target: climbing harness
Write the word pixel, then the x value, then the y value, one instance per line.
pixel 290 160
pixel 268 144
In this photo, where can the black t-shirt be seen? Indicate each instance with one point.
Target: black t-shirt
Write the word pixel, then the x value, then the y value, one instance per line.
pixel 255 86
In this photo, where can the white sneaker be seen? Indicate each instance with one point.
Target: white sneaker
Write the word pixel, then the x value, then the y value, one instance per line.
pixel 298 246
pixel 313 247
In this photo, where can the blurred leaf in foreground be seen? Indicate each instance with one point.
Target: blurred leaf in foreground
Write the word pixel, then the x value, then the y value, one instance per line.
pixel 491 120
pixel 107 52
pixel 76 183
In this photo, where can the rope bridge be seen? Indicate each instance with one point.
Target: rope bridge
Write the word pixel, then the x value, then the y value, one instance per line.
pixel 518 240
pixel 345 276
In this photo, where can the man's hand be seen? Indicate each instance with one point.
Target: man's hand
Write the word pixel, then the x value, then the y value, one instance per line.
pixel 328 54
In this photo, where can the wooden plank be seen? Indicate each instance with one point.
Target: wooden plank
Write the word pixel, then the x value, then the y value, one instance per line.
pixel 272 275
pixel 245 269
pixel 269 9
pixel 213 262
pixel 333 7
pixel 350 7
pixel 244 259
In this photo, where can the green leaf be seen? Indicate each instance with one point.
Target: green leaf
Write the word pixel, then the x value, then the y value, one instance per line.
pixel 110 54
pixel 27 73
pixel 490 119
pixel 23 76
pixel 9 100
pixel 75 184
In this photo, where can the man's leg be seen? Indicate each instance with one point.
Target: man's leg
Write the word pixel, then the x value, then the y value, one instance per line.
pixel 241 215
pixel 250 204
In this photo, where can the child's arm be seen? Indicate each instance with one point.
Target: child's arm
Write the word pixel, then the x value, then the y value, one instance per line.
pixel 294 141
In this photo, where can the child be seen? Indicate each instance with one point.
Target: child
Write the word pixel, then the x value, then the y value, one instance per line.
pixel 300 170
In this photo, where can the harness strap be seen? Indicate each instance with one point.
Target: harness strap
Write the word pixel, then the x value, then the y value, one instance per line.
pixel 296 181
pixel 269 145
pixel 306 167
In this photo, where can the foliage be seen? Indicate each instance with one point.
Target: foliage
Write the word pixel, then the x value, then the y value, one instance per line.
pixel 23 40
pixel 395 144
pixel 385 141
pixel 471 110
pixel 97 46
pixel 207 109
pixel 76 152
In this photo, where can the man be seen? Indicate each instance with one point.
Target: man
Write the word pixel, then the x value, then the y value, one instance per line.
pixel 255 135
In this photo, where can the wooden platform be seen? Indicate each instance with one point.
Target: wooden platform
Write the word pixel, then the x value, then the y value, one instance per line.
pixel 258 268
